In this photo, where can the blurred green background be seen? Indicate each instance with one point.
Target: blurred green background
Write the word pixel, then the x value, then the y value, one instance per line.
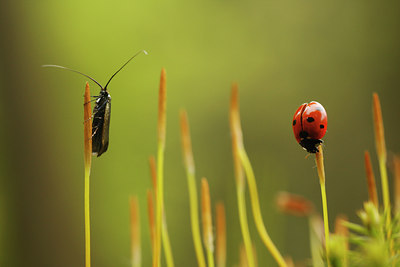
pixel 282 54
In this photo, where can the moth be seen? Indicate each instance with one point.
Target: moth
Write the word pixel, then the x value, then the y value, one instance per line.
pixel 101 111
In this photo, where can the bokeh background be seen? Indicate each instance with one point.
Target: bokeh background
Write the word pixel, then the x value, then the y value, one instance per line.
pixel 282 54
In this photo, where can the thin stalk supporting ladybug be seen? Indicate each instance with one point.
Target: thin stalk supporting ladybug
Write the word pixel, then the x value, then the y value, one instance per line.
pixel 101 110
pixel 319 158
pixel 309 123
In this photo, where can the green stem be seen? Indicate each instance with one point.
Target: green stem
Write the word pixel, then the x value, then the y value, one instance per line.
pixel 210 258
pixel 326 222
pixel 319 159
pixel 257 210
pixel 194 217
pixel 385 191
pixel 243 224
pixel 159 204
pixel 87 217
pixel 386 202
pixel 167 244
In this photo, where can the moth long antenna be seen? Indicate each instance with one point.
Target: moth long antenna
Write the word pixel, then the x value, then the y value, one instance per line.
pixel 141 51
pixel 65 68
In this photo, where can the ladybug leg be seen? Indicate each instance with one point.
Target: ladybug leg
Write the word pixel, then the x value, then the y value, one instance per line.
pixel 317 143
pixel 315 149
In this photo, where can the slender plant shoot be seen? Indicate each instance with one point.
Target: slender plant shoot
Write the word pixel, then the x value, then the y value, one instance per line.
pixel 87 129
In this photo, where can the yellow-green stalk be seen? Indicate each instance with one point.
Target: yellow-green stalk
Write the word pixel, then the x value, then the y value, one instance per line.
pixel 381 152
pixel 372 193
pixel 236 133
pixel 87 129
pixel 152 226
pixel 162 103
pixel 164 233
pixel 319 158
pixel 255 204
pixel 167 244
pixel 253 186
pixel 208 237
pixel 136 252
pixel 221 235
pixel 190 173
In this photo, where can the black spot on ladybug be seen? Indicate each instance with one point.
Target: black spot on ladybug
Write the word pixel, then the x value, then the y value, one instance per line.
pixel 294 122
pixel 310 119
pixel 303 134
pixel 321 126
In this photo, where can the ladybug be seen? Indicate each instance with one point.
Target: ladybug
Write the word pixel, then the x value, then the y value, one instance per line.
pixel 309 125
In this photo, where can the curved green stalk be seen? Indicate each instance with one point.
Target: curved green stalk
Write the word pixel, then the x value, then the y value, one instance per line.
pixel 257 210
pixel 244 225
pixel 190 171
pixel 167 244
pixel 237 143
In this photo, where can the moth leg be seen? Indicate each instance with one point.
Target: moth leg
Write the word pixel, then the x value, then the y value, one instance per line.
pixel 101 107
pixel 95 131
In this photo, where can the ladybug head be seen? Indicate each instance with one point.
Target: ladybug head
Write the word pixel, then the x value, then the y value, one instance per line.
pixel 311 145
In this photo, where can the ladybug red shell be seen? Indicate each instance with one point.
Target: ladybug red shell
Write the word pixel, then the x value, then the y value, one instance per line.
pixel 309 125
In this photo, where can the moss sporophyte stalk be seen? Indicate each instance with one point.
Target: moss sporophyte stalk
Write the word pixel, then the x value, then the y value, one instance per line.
pixel 87 137
pixel 243 160
pixel 372 242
